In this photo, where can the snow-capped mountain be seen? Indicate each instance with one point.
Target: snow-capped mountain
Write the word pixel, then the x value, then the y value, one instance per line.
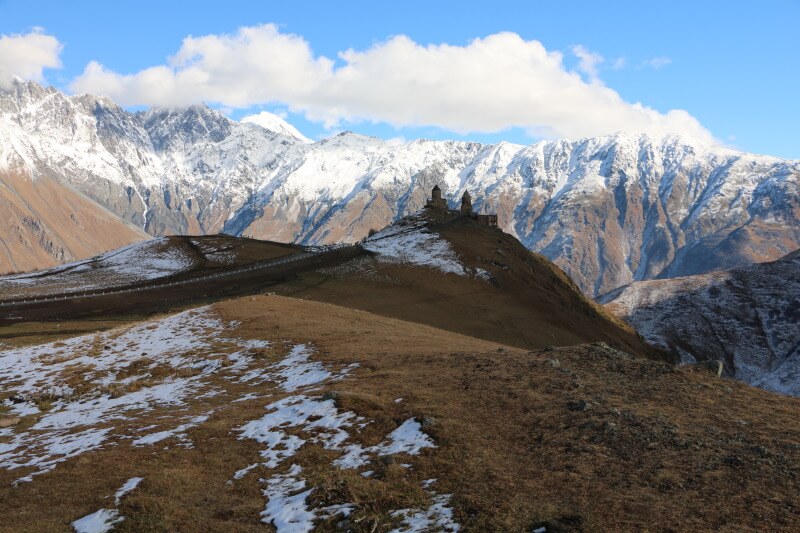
pixel 273 122
pixel 749 317
pixel 609 210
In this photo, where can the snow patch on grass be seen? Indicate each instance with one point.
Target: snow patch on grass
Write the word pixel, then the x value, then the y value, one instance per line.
pixel 485 275
pixel 178 432
pixel 100 521
pixel 413 244
pixel 408 438
pixel 294 371
pixel 69 414
pixel 287 508
pixel 309 415
pixel 128 486
pixel 104 520
pixel 437 517
pixel 286 503
pixel 43 452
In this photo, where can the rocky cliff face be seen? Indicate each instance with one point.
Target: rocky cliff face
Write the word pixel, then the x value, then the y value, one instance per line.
pixel 46 223
pixel 609 210
pixel 748 317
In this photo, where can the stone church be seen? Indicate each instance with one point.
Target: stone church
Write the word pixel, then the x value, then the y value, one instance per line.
pixel 438 203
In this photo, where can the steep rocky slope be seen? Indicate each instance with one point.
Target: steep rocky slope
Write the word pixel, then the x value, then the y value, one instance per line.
pixel 45 222
pixel 748 317
pixel 609 210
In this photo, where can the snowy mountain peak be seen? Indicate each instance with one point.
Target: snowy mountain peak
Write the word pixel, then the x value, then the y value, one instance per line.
pixel 277 124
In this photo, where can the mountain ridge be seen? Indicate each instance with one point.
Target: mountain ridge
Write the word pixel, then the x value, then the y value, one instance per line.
pixel 608 210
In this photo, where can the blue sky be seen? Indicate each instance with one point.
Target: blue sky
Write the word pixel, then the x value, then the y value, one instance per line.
pixel 733 66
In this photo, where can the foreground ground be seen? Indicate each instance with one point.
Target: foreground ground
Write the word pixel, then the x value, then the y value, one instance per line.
pixel 268 411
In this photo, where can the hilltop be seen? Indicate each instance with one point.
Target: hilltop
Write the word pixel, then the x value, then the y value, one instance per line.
pixel 148 262
pixel 453 273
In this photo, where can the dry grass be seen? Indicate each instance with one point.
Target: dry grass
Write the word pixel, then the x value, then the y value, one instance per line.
pixel 579 438
pixel 528 301
pixel 657 448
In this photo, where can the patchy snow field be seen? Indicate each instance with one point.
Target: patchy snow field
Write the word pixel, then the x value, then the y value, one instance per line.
pixel 97 388
pixel 413 243
pixel 141 261
pixel 105 519
pixel 152 384
pixel 212 252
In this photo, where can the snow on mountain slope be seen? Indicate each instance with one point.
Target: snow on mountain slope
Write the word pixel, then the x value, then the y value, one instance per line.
pixel 273 122
pixel 608 210
pixel 748 317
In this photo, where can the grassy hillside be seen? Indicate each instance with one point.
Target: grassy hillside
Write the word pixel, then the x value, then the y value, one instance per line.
pixel 581 438
pixel 506 294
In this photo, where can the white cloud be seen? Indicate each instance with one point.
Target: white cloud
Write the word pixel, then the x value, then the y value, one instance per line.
pixel 489 85
pixel 657 62
pixel 27 55
pixel 588 61
pixel 396 141
pixel 256 65
pixel 619 63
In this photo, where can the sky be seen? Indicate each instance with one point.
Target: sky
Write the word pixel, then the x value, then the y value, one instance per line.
pixel 724 72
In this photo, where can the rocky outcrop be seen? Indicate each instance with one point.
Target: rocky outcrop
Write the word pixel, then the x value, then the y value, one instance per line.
pixel 748 317
pixel 46 223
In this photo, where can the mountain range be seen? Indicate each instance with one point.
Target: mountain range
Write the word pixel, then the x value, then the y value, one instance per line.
pixel 609 210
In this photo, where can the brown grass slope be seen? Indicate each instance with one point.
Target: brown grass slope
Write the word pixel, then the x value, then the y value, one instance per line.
pixel 576 439
pixel 528 301
pixel 45 223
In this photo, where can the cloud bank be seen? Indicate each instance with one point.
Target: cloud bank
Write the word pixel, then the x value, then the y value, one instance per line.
pixel 489 85
pixel 26 56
